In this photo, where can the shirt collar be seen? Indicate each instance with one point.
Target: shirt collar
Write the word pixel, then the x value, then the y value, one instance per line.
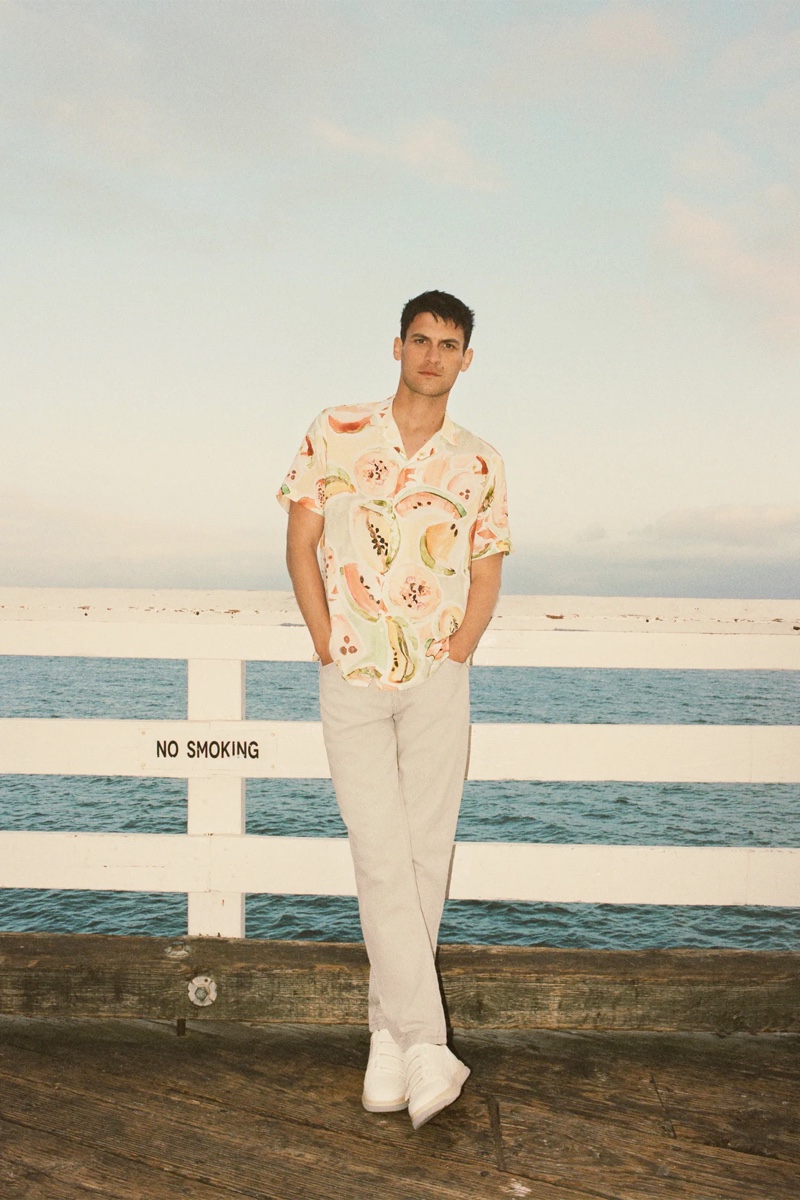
pixel 448 431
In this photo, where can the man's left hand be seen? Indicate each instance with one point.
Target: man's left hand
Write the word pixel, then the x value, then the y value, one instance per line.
pixel 454 651
pixel 483 592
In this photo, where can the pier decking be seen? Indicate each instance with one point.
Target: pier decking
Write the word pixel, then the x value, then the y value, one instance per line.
pixel 128 1109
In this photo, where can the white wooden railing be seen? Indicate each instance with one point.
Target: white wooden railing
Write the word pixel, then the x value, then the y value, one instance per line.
pixel 217 863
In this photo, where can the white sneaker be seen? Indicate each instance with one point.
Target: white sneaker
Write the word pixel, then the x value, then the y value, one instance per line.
pixel 434 1079
pixel 385 1080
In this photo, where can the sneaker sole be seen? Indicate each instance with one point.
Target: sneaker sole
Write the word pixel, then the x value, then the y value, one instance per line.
pixel 424 1114
pixel 383 1107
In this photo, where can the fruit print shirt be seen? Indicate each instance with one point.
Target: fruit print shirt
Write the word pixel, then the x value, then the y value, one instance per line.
pixel 399 536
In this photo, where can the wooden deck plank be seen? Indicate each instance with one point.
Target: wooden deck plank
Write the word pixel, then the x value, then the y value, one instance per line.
pixel 274 1112
pixel 591 1099
pixel 764 1120
pixel 557 1148
pixel 235 1148
pixel 26 1179
pixel 330 1064
pixel 42 1166
pixel 303 1087
pixel 757 1128
pixel 739 1093
pixel 295 1084
pixel 241 1155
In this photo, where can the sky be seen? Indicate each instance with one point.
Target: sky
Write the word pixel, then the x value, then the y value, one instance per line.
pixel 213 212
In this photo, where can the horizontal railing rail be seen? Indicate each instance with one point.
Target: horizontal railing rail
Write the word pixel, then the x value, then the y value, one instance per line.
pixel 216 748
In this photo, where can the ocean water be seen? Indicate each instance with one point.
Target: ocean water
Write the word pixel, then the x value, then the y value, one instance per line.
pixel 612 813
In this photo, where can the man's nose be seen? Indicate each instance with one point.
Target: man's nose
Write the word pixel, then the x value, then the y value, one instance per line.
pixel 433 354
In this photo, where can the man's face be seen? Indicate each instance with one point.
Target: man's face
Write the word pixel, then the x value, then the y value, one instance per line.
pixel 432 356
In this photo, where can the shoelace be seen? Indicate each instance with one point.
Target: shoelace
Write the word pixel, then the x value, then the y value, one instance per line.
pixel 387 1058
pixel 422 1064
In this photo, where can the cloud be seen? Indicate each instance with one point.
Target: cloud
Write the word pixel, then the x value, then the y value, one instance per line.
pixel 96 205
pixel 756 59
pixel 614 49
pixel 592 533
pixel 776 120
pixel 712 158
pixel 78 80
pixel 564 572
pixel 726 550
pixel 762 526
pixel 44 545
pixel 47 545
pixel 758 78
pixel 625 33
pixel 124 128
pixel 748 253
pixel 744 551
pixel 180 89
pixel 434 149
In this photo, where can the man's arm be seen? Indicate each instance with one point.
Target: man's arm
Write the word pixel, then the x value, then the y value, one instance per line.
pixel 302 540
pixel 485 574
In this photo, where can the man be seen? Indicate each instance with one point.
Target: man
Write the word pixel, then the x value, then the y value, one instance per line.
pixel 398 526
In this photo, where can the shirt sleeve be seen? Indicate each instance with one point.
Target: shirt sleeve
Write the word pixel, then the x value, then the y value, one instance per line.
pixel 490 534
pixel 305 479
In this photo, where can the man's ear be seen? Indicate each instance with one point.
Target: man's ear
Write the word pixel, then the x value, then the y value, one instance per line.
pixel 467 359
pixel 398 348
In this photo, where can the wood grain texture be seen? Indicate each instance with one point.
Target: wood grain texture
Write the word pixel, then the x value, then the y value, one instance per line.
pixel 510 987
pixel 273 1113
pixel 557 1148
pixel 253 1143
pixel 44 1166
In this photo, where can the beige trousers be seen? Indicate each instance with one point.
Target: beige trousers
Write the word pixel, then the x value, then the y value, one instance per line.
pixel 398 760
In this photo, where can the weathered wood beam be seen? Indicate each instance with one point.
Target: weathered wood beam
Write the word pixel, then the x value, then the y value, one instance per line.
pixel 720 991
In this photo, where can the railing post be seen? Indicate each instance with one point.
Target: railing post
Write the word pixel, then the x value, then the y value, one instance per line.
pixel 216 804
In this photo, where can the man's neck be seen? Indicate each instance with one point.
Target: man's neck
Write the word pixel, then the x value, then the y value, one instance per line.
pixel 417 418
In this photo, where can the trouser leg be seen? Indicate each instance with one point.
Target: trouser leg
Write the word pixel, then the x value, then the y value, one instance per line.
pixel 379 742
pixel 432 725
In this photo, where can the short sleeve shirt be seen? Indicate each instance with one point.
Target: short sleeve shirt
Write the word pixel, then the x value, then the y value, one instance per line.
pixel 399 536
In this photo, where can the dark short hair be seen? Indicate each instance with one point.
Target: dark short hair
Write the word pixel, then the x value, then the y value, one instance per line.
pixel 441 305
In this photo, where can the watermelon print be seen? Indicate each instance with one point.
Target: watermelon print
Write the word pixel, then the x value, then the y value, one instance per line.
pixel 399 536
